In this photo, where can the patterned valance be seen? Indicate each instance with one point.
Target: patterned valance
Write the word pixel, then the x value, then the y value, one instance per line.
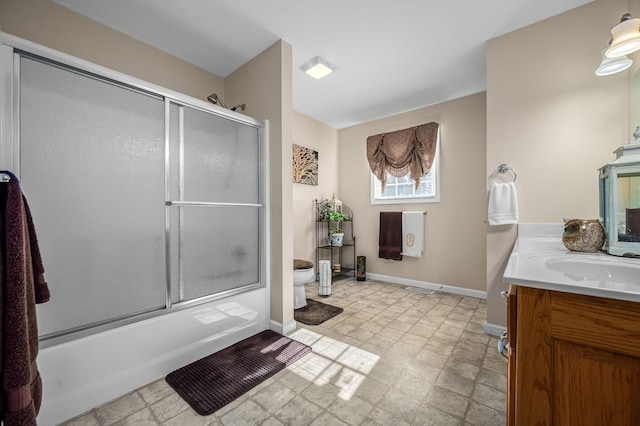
pixel 403 151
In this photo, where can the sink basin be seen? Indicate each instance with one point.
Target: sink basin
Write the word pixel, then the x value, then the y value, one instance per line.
pixel 596 268
pixel 546 264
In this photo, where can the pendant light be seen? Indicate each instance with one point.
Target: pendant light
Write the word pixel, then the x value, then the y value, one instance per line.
pixel 626 37
pixel 610 66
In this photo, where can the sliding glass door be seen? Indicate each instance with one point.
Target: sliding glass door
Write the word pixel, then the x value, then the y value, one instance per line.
pixel 92 168
pixel 142 203
pixel 214 204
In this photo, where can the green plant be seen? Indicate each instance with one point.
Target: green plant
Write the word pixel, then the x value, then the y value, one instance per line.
pixel 335 230
pixel 324 213
pixel 336 217
pixel 328 214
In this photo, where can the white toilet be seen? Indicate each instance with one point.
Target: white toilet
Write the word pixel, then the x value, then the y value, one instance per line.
pixel 303 274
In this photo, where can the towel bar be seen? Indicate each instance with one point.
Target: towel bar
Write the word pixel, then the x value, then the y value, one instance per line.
pixel 503 168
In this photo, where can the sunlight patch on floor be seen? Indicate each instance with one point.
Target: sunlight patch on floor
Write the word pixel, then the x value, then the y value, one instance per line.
pixel 333 360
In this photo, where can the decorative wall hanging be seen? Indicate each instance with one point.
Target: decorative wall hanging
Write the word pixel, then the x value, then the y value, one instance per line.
pixel 403 151
pixel 305 165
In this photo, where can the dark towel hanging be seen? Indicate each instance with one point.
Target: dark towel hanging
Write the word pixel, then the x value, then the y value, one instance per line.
pixel 22 286
pixel 390 239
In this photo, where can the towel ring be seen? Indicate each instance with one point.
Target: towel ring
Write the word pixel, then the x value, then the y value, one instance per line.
pixel 503 168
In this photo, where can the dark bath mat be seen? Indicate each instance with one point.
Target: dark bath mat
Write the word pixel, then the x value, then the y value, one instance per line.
pixel 316 312
pixel 216 380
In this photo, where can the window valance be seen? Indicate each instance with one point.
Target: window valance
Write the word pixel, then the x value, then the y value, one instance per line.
pixel 403 151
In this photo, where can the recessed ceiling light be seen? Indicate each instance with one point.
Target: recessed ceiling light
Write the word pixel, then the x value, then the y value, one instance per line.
pixel 317 67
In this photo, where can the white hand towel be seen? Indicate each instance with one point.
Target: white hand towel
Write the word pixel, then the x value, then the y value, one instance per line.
pixel 412 233
pixel 503 204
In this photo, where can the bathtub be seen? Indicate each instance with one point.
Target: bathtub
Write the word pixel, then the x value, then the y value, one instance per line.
pixel 84 373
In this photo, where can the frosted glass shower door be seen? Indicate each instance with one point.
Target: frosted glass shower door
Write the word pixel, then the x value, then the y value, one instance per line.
pixel 215 205
pixel 92 168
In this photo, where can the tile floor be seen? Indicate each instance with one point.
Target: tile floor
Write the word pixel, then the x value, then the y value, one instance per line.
pixel 393 357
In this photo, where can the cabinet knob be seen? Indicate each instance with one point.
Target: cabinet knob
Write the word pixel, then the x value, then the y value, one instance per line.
pixel 504 293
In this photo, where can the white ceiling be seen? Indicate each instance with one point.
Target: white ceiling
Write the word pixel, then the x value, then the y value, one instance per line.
pixel 391 55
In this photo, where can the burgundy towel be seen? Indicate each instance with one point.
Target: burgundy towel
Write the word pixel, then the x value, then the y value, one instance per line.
pixel 22 286
pixel 390 240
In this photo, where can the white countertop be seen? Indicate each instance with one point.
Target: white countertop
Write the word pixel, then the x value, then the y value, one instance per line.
pixel 541 261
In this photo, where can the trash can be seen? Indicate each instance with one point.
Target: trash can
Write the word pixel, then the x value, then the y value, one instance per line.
pixel 361 269
pixel 324 289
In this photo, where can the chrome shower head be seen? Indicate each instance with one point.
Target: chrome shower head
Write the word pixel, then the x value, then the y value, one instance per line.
pixel 215 99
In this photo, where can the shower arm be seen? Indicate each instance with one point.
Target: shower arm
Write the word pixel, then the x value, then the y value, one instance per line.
pixel 215 99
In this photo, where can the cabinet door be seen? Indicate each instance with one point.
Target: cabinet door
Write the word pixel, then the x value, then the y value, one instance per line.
pixel 596 360
pixel 512 306
pixel 578 360
pixel 594 387
pixel 533 359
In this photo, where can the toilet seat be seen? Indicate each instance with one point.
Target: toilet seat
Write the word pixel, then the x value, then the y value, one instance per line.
pixel 301 264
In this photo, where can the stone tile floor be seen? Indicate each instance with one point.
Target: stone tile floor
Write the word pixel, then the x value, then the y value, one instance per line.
pixel 393 357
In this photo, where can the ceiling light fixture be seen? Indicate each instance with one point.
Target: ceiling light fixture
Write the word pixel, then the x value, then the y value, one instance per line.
pixel 626 37
pixel 610 66
pixel 317 68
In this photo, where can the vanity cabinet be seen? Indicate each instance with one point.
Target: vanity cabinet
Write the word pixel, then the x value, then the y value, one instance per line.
pixel 573 359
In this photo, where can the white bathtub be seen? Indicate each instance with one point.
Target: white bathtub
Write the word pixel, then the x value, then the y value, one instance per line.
pixel 88 372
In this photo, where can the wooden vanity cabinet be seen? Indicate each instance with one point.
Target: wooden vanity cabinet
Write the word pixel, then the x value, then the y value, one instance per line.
pixel 573 359
pixel 512 334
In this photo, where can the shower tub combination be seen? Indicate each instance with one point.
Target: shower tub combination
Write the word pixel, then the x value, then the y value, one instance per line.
pixel 150 209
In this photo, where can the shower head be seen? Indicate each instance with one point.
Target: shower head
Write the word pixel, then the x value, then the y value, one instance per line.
pixel 214 99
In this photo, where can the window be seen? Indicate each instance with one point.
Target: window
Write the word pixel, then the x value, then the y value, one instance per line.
pixel 402 190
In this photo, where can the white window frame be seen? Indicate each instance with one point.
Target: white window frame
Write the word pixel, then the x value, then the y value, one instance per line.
pixel 376 187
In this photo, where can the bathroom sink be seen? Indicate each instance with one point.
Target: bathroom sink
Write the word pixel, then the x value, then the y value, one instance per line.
pixel 546 264
pixel 604 270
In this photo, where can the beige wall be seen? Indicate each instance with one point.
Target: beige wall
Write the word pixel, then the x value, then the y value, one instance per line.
pixel 312 134
pixel 455 233
pixel 49 24
pixel 264 84
pixel 553 121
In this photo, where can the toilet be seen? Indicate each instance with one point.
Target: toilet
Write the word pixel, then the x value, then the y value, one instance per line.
pixel 303 274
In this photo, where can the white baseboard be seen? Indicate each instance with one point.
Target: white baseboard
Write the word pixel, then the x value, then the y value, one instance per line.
pixel 493 329
pixel 430 286
pixel 283 329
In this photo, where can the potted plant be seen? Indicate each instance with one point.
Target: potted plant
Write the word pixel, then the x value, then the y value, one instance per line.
pixel 336 217
pixel 324 212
